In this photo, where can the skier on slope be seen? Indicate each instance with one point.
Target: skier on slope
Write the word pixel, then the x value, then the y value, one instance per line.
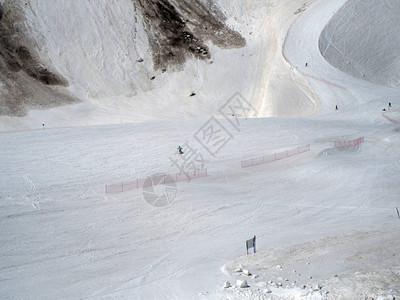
pixel 180 150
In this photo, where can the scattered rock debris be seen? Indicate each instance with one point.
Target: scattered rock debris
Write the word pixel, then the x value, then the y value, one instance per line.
pixel 178 29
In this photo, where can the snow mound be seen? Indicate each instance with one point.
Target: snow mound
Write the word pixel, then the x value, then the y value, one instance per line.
pixel 358 41
pixel 330 268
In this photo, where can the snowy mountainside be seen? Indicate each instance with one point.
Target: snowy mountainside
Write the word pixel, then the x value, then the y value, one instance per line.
pixel 135 61
pixel 326 220
pixel 97 46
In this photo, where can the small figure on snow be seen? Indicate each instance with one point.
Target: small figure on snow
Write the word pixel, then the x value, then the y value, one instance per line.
pixel 383 109
pixel 180 150
pixel 390 104
pixel 306 64
pixel 336 108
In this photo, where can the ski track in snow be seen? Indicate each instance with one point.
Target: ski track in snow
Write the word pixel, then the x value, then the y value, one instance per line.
pixel 326 212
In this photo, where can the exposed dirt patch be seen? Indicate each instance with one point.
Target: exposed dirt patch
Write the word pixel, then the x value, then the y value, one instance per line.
pixel 179 28
pixel 25 82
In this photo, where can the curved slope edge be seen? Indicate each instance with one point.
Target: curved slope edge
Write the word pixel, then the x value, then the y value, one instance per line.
pixel 360 42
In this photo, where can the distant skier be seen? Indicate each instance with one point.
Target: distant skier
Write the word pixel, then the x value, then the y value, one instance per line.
pixel 336 108
pixel 180 150
pixel 306 64
pixel 390 104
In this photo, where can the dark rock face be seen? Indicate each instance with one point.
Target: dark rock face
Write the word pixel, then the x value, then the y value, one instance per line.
pixel 26 81
pixel 17 56
pixel 179 28
pixel 176 30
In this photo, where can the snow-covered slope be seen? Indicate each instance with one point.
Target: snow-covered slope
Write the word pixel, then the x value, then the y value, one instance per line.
pixel 362 40
pixel 327 217
pixel 107 54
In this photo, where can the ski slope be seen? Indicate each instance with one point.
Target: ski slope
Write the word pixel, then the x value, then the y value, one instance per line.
pixel 328 214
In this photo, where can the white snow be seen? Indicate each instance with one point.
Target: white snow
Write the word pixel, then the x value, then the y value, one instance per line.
pixel 241 283
pixel 329 215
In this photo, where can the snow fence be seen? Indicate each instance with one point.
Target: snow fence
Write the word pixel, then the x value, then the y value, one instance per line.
pixel 352 143
pixel 273 157
pixel 390 119
pixel 154 180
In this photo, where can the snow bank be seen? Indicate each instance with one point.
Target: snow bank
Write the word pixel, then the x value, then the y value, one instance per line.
pixel 361 42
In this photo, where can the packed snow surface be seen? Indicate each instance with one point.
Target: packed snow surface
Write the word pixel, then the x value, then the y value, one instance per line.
pixel 360 41
pixel 325 220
